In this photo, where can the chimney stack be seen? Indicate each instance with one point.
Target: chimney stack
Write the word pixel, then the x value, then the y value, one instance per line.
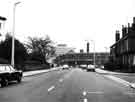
pixel 81 51
pixel 133 25
pixel 124 30
pixel 87 47
pixel 129 28
pixel 134 20
pixel 117 36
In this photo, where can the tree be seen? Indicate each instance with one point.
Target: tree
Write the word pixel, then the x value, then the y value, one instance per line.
pixel 20 50
pixel 40 48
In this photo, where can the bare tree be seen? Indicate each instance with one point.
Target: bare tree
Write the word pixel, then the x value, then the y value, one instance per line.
pixel 43 46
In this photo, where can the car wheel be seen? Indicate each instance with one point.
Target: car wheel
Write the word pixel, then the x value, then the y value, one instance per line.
pixel 4 83
pixel 19 79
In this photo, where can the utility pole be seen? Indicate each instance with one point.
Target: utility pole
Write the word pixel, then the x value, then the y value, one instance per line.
pixel 94 57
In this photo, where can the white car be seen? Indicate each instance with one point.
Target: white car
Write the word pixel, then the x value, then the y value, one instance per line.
pixel 65 67
pixel 91 68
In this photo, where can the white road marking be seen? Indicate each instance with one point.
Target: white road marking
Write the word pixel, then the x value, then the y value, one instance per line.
pixel 84 93
pixel 60 80
pixel 85 100
pixel 95 92
pixel 51 88
pixel 119 80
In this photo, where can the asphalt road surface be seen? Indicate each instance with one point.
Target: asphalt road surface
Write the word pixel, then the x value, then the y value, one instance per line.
pixel 74 85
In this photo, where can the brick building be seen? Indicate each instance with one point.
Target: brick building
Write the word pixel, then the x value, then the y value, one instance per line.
pixel 123 51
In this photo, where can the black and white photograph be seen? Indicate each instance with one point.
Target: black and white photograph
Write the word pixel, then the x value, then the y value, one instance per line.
pixel 67 50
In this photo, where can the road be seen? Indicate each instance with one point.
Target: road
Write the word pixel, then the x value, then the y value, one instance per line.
pixel 74 85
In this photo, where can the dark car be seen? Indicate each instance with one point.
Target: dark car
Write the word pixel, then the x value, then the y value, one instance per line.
pixel 8 73
pixel 91 69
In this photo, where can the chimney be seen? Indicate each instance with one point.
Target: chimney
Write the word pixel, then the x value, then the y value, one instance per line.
pixel 81 51
pixel 124 31
pixel 87 47
pixel 129 28
pixel 134 20
pixel 133 25
pixel 117 36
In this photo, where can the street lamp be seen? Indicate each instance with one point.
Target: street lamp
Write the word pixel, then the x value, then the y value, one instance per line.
pixel 94 51
pixel 13 36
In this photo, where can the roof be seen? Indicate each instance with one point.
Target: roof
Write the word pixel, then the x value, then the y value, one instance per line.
pixel 131 35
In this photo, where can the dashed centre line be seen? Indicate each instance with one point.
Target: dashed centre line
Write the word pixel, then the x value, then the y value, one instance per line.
pixel 85 100
pixel 84 93
pixel 51 88
pixel 96 92
pixel 92 92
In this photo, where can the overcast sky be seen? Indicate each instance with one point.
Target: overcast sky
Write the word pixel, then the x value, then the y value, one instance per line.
pixel 69 21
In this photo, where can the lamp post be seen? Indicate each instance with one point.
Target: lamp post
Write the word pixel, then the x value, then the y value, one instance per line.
pixel 13 32
pixel 94 51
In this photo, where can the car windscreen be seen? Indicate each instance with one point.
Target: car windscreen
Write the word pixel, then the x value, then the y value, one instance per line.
pixel 11 68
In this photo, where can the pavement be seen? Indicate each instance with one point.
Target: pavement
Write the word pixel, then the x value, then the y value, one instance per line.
pixel 31 73
pixel 73 85
pixel 127 79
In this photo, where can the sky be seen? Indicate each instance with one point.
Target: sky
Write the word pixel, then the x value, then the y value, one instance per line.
pixel 71 22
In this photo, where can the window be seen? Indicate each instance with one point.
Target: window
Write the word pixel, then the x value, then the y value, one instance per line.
pixel 126 45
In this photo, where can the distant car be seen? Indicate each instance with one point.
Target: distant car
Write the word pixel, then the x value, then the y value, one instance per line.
pixel 91 68
pixel 83 66
pixel 65 67
pixel 8 73
pixel 102 67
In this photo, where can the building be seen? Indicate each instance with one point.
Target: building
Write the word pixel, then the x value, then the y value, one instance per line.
pixel 2 21
pixel 123 51
pixel 82 58
pixel 63 49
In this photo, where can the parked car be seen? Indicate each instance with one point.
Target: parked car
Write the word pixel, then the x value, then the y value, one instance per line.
pixel 83 66
pixel 8 73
